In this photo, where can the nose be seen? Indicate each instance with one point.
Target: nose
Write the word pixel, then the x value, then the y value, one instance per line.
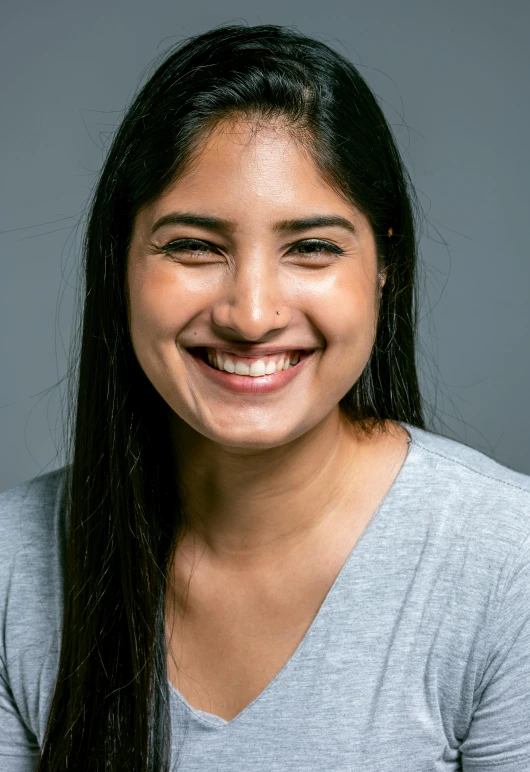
pixel 249 301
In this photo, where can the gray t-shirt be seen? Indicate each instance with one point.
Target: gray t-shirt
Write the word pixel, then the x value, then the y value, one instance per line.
pixel 418 659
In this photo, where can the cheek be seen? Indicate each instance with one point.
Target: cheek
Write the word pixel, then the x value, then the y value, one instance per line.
pixel 159 304
pixel 157 312
pixel 347 314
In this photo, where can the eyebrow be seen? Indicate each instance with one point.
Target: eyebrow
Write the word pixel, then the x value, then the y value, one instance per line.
pixel 225 226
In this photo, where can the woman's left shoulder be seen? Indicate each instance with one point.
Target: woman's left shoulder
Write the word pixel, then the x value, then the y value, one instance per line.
pixel 477 488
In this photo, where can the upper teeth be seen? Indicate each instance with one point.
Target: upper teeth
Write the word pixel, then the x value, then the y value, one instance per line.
pixel 222 360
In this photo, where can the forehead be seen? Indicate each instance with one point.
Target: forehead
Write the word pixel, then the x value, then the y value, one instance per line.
pixel 248 172
pixel 254 154
pixel 252 138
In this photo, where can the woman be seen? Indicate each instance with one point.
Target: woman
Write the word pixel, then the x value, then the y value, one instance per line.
pixel 259 556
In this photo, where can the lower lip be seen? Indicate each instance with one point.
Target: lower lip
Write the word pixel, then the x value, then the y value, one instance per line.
pixel 247 384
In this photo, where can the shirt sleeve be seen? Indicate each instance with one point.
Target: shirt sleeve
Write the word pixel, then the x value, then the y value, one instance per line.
pixel 19 750
pixel 499 735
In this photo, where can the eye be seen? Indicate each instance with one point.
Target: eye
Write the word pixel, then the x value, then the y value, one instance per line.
pixel 196 246
pixel 315 254
pixel 318 247
pixel 188 245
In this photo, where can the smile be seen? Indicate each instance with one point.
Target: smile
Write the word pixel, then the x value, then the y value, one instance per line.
pixel 250 375
pixel 252 366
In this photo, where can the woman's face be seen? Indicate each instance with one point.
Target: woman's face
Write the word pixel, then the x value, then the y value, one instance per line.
pixel 204 297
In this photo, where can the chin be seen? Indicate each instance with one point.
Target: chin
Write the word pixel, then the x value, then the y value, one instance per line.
pixel 251 439
pixel 250 436
pixel 245 429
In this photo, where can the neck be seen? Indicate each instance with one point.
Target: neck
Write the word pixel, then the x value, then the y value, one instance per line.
pixel 248 506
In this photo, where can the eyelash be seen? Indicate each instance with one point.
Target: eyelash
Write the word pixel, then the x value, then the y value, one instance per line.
pixel 183 246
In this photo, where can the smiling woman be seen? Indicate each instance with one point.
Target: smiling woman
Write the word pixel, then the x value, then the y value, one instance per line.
pixel 258 539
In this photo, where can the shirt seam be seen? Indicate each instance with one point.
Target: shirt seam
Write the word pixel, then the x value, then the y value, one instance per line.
pixel 473 469
pixel 502 762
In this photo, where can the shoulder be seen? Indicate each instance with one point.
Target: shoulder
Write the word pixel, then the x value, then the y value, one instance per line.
pixel 32 546
pixel 482 498
pixel 469 467
pixel 31 510
pixel 32 533
pixel 467 461
pixel 31 493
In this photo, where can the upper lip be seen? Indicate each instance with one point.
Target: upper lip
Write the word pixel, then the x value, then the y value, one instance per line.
pixel 256 351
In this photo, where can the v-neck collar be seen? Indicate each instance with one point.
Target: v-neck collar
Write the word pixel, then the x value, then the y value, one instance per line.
pixel 360 545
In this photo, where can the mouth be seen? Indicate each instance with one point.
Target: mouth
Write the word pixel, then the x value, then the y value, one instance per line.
pixel 250 375
pixel 246 366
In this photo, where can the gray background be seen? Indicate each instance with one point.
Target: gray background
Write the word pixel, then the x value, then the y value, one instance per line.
pixel 453 81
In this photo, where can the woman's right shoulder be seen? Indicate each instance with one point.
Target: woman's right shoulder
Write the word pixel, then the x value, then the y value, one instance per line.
pixel 32 551
pixel 32 516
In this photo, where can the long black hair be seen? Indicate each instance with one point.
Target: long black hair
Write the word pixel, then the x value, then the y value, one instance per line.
pixel 125 512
